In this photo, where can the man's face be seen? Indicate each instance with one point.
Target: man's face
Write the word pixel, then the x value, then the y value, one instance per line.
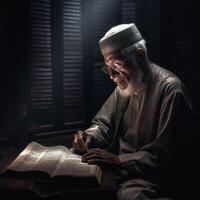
pixel 117 71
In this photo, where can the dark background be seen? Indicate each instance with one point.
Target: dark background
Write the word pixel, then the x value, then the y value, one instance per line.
pixel 50 81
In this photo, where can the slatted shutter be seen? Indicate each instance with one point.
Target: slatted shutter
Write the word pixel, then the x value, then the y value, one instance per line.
pixel 146 15
pixel 150 27
pixel 73 63
pixel 128 11
pixel 105 16
pixel 41 66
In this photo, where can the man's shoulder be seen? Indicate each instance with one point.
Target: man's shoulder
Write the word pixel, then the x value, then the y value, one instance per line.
pixel 167 84
pixel 165 77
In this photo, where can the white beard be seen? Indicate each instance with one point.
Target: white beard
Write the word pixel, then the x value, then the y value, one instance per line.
pixel 132 84
pixel 128 91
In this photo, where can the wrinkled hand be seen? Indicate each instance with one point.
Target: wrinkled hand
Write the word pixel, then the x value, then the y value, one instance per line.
pixel 82 141
pixel 102 158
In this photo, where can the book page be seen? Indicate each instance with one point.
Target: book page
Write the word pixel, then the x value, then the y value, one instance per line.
pixel 71 165
pixel 36 157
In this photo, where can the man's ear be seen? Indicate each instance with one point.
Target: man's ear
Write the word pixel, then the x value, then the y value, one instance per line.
pixel 140 55
pixel 140 51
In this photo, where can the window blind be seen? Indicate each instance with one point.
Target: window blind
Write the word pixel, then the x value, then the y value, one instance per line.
pixel 41 65
pixel 73 62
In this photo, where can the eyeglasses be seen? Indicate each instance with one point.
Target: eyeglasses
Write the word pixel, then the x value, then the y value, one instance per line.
pixel 110 70
pixel 115 68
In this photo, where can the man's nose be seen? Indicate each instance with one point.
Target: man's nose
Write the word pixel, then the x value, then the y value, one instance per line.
pixel 111 75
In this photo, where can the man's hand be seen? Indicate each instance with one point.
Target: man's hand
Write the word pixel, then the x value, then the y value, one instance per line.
pixel 82 141
pixel 102 158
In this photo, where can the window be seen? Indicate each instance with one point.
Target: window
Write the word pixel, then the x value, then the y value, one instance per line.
pixel 65 78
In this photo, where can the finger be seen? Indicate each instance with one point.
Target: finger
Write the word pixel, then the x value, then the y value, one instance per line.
pixel 89 157
pixel 77 148
pixel 75 140
pixel 96 150
pixel 90 152
pixel 95 162
pixel 75 143
pixel 80 132
pixel 103 157
pixel 102 164
pixel 88 140
pixel 80 141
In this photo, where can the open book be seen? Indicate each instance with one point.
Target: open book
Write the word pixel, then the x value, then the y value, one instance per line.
pixel 55 161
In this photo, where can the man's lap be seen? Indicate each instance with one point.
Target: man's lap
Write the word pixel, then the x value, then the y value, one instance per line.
pixel 139 189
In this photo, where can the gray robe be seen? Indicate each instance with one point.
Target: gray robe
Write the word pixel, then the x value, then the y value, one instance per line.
pixel 148 131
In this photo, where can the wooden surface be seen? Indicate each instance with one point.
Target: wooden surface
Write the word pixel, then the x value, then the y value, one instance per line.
pixel 19 187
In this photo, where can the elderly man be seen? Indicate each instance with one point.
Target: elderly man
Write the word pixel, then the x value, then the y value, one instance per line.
pixel 141 129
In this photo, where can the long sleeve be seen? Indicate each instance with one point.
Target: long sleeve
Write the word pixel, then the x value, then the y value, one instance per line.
pixel 102 123
pixel 106 122
pixel 172 124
